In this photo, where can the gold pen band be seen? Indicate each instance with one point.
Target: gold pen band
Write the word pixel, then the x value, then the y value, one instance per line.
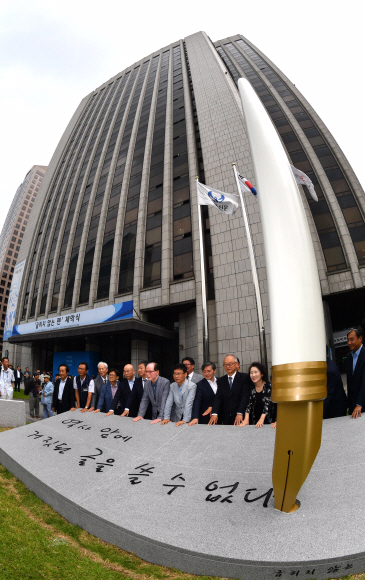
pixel 303 381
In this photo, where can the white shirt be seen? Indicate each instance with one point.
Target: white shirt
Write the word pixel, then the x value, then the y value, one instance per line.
pixel 190 377
pixel 6 377
pixel 90 387
pixel 17 374
pixel 60 389
pixel 131 383
pixel 214 385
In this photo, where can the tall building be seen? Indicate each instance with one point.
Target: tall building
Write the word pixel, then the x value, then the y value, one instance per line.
pixel 112 253
pixel 12 234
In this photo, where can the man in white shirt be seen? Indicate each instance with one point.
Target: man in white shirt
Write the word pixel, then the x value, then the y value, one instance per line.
pixel 83 386
pixel 205 393
pixel 7 379
pixel 190 365
pixel 64 393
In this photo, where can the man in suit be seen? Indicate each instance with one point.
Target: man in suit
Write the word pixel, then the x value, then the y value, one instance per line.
pixel 130 390
pixel 179 402
pixel 155 392
pixel 205 394
pixel 64 393
pixel 18 375
pixel 108 392
pixel 190 365
pixel 232 396
pixel 99 381
pixel 335 404
pixel 355 365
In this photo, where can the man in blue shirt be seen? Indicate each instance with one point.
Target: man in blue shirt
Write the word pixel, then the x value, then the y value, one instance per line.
pixel 355 363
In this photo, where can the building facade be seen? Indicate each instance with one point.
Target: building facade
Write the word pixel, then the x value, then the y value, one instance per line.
pixel 112 252
pixel 12 234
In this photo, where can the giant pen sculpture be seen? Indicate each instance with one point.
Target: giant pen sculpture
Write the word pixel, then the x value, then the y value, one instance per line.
pixel 297 321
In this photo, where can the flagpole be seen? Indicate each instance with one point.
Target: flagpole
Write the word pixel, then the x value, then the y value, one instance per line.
pixel 254 274
pixel 203 280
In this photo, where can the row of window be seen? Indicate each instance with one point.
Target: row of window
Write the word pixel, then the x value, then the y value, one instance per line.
pixel 329 239
pixel 323 219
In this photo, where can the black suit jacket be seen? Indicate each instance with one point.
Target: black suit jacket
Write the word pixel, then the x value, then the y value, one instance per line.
pixel 228 402
pixel 204 398
pixel 128 398
pixel 68 396
pixel 356 381
pixel 335 404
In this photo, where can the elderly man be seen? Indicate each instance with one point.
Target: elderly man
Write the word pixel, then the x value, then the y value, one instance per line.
pixel 100 380
pixel 6 378
pixel 108 392
pixel 155 392
pixel 232 396
pixel 180 400
pixel 130 391
pixel 34 386
pixel 190 365
pixel 355 363
pixel 205 394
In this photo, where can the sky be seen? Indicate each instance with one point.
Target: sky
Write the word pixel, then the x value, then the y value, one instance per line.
pixel 52 54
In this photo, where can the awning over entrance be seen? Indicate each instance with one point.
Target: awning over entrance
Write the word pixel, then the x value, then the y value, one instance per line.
pixel 138 329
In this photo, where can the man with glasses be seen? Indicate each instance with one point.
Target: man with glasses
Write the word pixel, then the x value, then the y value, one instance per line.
pixel 179 403
pixel 155 392
pixel 190 365
pixel 232 396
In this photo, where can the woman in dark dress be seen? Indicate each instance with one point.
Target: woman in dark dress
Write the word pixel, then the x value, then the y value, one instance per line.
pixel 260 409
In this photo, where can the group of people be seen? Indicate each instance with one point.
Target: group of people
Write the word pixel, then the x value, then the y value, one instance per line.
pixel 235 398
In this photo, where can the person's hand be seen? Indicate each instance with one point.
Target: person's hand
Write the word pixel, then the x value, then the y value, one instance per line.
pixel 154 421
pixel 164 422
pixel 260 423
pixel 137 418
pixel 53 409
pixel 213 420
pixel 273 425
pixel 179 423
pixel 125 413
pixel 238 420
pixel 97 411
pixel 90 410
pixel 356 412
pixel 84 410
pixel 208 412
pixel 193 422
pixel 109 413
pixel 73 409
pixel 244 423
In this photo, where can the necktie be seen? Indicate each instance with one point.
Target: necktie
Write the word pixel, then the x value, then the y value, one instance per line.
pixel 154 386
pixel 104 381
pixel 144 383
pixel 230 382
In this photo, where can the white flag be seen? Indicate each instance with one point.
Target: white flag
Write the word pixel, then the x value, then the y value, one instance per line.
pixel 224 202
pixel 303 179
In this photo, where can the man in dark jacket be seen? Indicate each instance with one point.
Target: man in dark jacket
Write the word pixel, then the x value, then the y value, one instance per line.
pixel 33 388
pixel 205 395
pixel 64 393
pixel 18 376
pixel 232 396
pixel 335 404
pixel 355 364
pixel 130 391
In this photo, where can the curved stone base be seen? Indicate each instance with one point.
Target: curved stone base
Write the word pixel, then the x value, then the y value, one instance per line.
pixel 198 498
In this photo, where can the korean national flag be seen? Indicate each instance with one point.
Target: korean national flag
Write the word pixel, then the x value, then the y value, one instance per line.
pixel 224 202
